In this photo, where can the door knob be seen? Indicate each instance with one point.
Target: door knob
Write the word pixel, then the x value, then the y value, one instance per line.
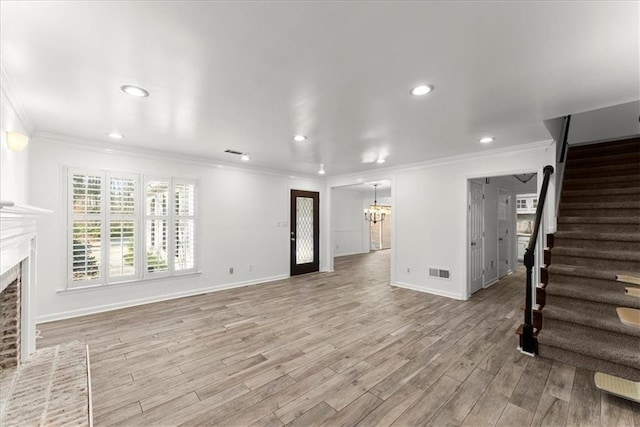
pixel 293 239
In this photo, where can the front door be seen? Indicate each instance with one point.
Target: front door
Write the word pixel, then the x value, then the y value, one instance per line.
pixel 504 235
pixel 476 232
pixel 305 232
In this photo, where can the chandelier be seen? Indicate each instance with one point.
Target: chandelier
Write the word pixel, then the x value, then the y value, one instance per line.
pixel 374 214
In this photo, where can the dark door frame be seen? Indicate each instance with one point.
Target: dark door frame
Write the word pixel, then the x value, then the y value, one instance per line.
pixel 296 269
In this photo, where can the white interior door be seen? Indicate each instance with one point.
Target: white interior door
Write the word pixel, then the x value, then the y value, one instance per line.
pixel 476 232
pixel 504 233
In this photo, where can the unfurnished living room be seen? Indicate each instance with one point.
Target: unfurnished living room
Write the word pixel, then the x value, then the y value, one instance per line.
pixel 306 213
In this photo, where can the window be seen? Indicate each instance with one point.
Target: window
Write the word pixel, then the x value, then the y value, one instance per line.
pixel 126 227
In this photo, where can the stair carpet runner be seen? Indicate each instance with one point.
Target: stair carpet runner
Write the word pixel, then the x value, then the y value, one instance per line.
pixel 591 312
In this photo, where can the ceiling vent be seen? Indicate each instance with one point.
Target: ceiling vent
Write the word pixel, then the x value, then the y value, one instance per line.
pixel 233 152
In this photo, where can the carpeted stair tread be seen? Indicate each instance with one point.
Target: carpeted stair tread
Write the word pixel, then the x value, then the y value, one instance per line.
pixel 618 237
pixel 587 313
pixel 587 362
pixel 601 191
pixel 603 170
pixel 603 150
pixel 613 295
pixel 630 180
pixel 599 220
pixel 598 254
pixel 610 159
pixel 600 205
pixel 586 272
pixel 599 344
pixel 602 224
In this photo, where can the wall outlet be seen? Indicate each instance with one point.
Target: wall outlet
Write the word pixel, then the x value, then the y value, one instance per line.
pixel 408 270
pixel 230 270
pixel 492 263
pixel 337 247
pixel 250 267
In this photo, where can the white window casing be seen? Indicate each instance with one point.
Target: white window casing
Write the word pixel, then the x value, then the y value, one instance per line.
pixel 125 227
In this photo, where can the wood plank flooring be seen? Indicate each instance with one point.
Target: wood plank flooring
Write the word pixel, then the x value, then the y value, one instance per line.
pixel 332 349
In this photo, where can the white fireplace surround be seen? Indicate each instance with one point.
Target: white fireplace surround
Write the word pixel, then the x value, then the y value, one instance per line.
pixel 18 246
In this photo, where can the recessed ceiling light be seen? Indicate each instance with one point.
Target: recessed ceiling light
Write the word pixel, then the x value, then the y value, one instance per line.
pixel 245 157
pixel 299 138
pixel 422 90
pixel 134 91
pixel 115 135
pixel 321 171
pixel 380 160
pixel 487 139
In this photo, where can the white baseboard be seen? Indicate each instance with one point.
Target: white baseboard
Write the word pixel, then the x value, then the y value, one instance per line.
pixel 350 253
pixel 491 283
pixel 429 290
pixel 142 301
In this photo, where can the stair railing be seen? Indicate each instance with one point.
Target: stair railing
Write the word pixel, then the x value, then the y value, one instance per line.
pixel 560 164
pixel 528 341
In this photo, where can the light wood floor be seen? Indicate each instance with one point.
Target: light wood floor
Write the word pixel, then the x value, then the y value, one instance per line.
pixel 339 348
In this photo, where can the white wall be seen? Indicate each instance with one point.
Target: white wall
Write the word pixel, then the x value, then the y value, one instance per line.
pixel 605 124
pixel 14 166
pixel 430 214
pixel 347 222
pixel 243 220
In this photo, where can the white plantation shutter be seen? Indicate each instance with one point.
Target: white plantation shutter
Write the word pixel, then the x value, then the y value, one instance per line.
pixel 157 226
pixel 86 221
pixel 184 200
pixel 123 226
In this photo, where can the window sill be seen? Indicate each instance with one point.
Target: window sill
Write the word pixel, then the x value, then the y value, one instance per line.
pixel 127 283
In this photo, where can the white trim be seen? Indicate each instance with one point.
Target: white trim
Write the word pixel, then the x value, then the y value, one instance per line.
pixel 130 282
pixel 428 290
pixel 355 253
pixel 372 175
pixel 142 301
pixel 150 153
pixel 13 100
pixel 491 283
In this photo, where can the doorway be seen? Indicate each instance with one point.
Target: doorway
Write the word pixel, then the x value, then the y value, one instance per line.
pixel 494 229
pixel 380 231
pixel 305 232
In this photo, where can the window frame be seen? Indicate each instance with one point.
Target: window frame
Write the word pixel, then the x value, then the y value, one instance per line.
pixel 139 218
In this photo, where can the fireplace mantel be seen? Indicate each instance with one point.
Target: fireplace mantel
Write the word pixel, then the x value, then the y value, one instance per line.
pixel 18 255
pixel 17 229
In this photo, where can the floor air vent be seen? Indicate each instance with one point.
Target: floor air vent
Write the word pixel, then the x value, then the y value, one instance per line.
pixel 440 274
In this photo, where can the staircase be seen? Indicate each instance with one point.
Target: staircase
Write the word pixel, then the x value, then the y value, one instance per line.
pixel 598 238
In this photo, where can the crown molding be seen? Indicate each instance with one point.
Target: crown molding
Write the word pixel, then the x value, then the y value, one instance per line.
pixel 13 100
pixel 459 158
pixel 212 162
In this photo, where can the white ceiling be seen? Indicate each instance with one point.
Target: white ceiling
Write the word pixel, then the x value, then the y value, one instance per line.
pixel 250 75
